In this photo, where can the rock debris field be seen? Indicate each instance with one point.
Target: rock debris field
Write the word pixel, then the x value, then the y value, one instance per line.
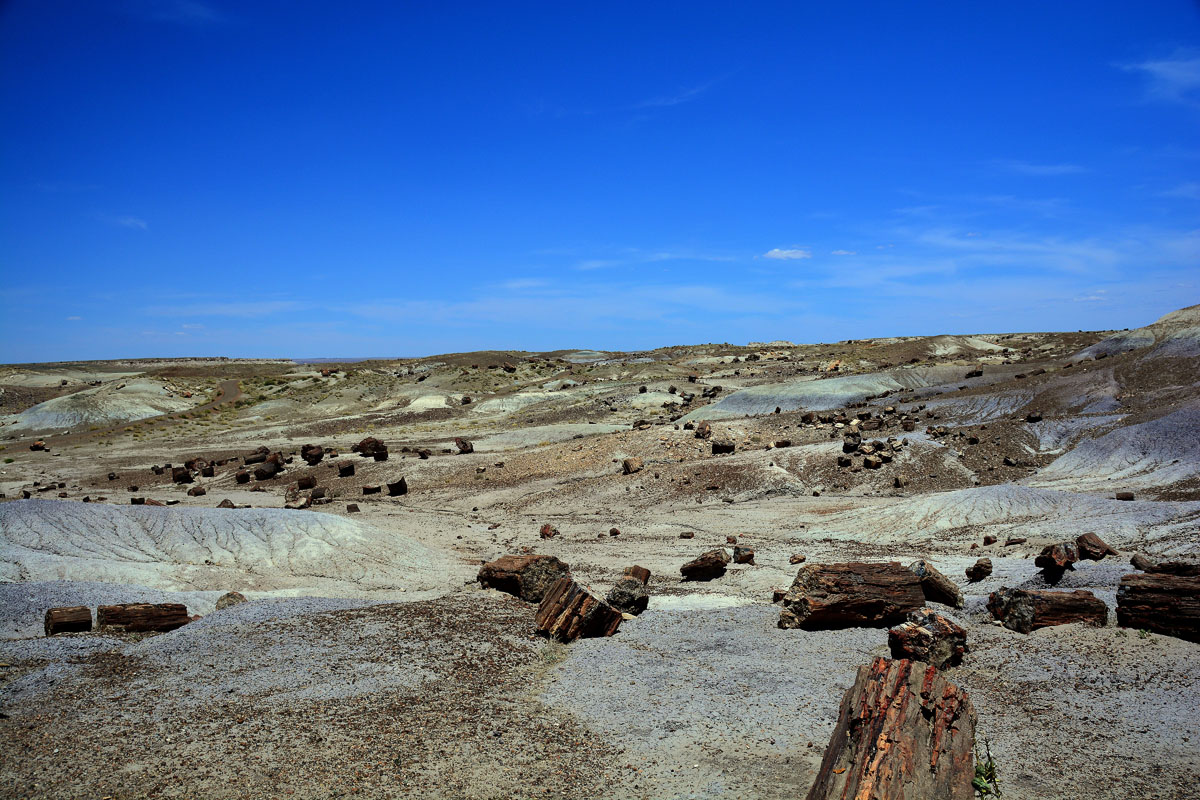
pixel 709 571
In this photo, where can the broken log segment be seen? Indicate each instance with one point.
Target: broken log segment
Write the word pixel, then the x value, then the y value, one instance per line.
pixel 140 617
pixel 1162 603
pixel 1025 610
pixel 706 566
pixel 936 586
pixel 68 619
pixel 851 595
pixel 903 731
pixel 527 577
pixel 569 611
pixel 930 637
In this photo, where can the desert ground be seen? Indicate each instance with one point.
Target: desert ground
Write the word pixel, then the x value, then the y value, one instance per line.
pixel 368 660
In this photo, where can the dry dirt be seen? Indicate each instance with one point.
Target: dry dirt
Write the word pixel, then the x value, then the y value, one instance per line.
pixel 368 662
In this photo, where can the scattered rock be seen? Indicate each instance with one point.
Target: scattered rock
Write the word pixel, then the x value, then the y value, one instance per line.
pixel 743 554
pixel 398 488
pixel 230 599
pixel 687 535
pixel 242 476
pixel 548 531
pixel 1123 496
pixel 641 573
pixel 226 503
pixel 796 558
pixel 312 454
pixel 464 446
pixel 629 596
pixel 346 470
pixel 632 465
pixel 197 491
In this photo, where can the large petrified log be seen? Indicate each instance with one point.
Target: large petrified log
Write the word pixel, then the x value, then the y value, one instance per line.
pixel 706 566
pixel 68 619
pixel 1147 564
pixel 930 637
pixel 904 731
pixel 936 586
pixel 370 447
pixel 527 577
pixel 979 570
pixel 1024 610
pixel 135 617
pixel 312 454
pixel 850 595
pixel 1159 602
pixel 569 611
pixel 1093 548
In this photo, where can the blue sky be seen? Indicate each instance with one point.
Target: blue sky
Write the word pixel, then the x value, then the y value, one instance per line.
pixel 205 177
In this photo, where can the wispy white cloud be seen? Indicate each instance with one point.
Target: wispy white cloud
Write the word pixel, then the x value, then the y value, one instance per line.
pixel 1189 191
pixel 844 253
pixel 633 255
pixel 1027 168
pixel 1175 79
pixel 788 254
pixel 221 309
pixel 74 319
pixel 522 283
pixel 126 221
pixel 678 98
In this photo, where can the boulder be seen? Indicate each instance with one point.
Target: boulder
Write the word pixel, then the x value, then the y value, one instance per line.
pixel 569 611
pixel 743 554
pixel 851 595
pixel 68 619
pixel 706 566
pixel 346 470
pixel 631 465
pixel 903 731
pixel 527 577
pixel 397 488
pixel 936 586
pixel 1092 548
pixel 463 446
pixel 930 637
pixel 181 475
pixel 1024 610
pixel 979 570
pixel 629 596
pixel 1160 602
pixel 230 599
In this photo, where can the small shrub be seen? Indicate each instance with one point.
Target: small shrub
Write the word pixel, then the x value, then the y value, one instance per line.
pixel 986 783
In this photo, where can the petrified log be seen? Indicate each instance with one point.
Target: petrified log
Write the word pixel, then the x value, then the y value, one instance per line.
pixel 257 457
pixel 226 503
pixel 930 637
pixel 380 455
pixel 743 554
pixel 68 619
pixel 345 470
pixel 1166 604
pixel 463 446
pixel 706 566
pixel 242 476
pixel 372 489
pixel 1093 548
pixel 1056 558
pixel 703 430
pixel 903 731
pixel 136 617
pixel 1147 564
pixel 306 482
pixel 352 508
pixel 629 596
pixel 1023 610
pixel 197 491
pixel 569 611
pixel 641 573
pixel 181 475
pixel 850 595
pixel 398 488
pixel 208 471
pixel 527 577
pixel 312 454
pixel 632 465
pixel 268 470
pixel 979 570
pixel 723 446
pixel 936 586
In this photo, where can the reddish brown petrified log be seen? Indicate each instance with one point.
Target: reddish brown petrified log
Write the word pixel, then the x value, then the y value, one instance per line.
pixel 641 573
pixel 527 577
pixel 68 619
pixel 136 617
pixel 569 611
pixel 903 732
pixel 936 586
pixel 854 594
pixel 930 637
pixel 706 566
pixel 1166 604
pixel 1055 558
pixel 1025 610
pixel 398 488
pixel 1093 548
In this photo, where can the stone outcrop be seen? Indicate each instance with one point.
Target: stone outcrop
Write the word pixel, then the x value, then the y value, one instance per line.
pixel 851 595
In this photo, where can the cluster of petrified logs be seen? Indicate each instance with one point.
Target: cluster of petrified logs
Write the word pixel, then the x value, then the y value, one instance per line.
pixel 131 617
pixel 567 610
